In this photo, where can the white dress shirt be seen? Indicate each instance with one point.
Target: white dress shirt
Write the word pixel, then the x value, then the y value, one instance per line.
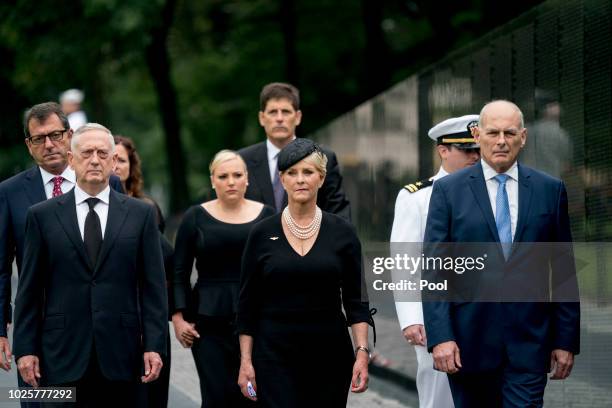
pixel 67 184
pixel 273 152
pixel 82 208
pixel 511 190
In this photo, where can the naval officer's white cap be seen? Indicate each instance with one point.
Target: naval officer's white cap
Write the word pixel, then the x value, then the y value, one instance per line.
pixel 456 131
pixel 72 95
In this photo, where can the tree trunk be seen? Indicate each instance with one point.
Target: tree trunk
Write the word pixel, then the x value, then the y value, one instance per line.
pixel 288 22
pixel 376 50
pixel 158 62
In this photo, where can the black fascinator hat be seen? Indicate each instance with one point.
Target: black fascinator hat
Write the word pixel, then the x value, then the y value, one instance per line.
pixel 296 151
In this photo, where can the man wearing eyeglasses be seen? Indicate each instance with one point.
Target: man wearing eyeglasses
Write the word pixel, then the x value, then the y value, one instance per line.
pixel 47 138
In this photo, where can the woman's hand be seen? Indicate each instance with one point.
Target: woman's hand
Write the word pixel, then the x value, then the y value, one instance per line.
pixel 246 375
pixel 359 382
pixel 184 331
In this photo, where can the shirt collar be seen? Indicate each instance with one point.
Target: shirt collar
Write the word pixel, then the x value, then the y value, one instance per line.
pixel 68 174
pixel 81 195
pixel 441 173
pixel 273 151
pixel 489 172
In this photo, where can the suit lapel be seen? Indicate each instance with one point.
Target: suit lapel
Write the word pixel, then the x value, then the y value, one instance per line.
pixel 67 217
pixel 479 188
pixel 117 211
pixel 33 186
pixel 261 174
pixel 524 196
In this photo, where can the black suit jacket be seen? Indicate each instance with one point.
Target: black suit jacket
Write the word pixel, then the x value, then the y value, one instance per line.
pixel 65 306
pixel 17 194
pixel 331 197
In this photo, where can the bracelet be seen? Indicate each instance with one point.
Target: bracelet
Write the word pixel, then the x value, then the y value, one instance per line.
pixel 362 348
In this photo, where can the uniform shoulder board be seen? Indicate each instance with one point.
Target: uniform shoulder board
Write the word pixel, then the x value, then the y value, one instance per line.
pixel 418 185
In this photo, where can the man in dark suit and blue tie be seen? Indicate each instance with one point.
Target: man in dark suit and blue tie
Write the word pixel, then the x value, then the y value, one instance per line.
pixel 499 353
pixel 91 308
pixel 47 137
pixel 280 115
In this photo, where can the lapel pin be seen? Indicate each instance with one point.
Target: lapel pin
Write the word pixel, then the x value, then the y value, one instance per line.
pixel 273 238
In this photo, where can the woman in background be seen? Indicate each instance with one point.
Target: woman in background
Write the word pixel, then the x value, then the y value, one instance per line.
pixel 128 167
pixel 214 234
pixel 128 170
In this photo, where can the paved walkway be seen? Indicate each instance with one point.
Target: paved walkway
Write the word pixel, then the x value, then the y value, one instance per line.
pixel 185 391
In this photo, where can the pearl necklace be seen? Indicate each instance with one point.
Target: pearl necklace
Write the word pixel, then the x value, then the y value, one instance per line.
pixel 300 232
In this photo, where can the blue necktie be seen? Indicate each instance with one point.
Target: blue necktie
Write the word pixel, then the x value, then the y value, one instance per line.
pixel 279 191
pixel 502 215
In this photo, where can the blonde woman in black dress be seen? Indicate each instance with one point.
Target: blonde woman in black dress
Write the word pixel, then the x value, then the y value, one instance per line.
pixel 299 269
pixel 214 234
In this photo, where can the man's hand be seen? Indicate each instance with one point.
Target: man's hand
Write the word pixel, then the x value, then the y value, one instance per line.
pixel 415 335
pixel 446 357
pixel 152 365
pixel 29 368
pixel 5 354
pixel 561 363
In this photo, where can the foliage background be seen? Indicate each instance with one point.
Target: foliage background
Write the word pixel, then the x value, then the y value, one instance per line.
pixel 182 78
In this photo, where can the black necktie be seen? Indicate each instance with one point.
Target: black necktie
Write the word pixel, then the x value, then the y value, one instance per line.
pixel 93 232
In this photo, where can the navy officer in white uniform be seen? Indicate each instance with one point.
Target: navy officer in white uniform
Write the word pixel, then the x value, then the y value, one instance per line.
pixel 457 149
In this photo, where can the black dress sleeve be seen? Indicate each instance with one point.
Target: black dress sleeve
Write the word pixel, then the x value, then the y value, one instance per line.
pixel 250 280
pixel 184 254
pixel 354 294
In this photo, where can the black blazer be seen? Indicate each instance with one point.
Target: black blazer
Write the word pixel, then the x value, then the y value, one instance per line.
pixel 64 305
pixel 17 194
pixel 331 197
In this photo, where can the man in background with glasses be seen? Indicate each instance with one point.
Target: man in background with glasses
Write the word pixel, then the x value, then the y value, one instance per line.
pixel 47 137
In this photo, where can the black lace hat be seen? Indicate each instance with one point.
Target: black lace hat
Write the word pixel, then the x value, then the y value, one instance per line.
pixel 296 151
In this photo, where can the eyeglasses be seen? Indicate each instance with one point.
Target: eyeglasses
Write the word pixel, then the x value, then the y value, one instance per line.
pixel 53 136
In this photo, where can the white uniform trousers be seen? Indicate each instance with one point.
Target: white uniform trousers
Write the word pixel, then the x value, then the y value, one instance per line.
pixel 432 385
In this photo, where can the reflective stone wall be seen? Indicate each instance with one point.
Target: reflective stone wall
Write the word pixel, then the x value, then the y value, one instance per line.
pixel 555 63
